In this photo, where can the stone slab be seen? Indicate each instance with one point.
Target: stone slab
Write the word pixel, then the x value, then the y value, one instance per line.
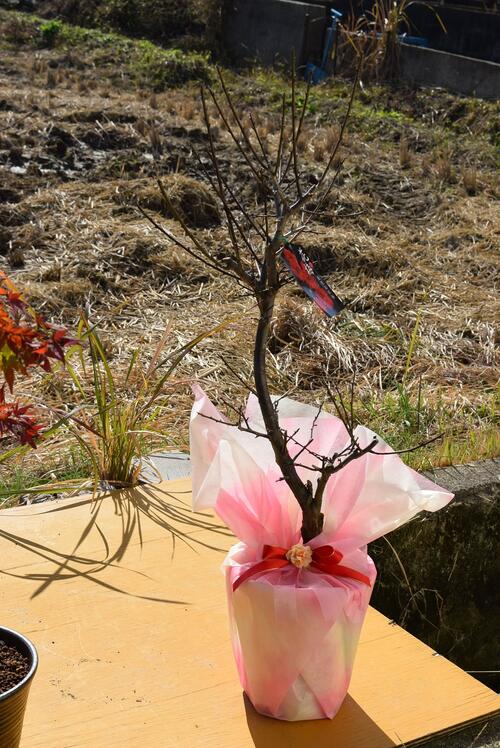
pixel 166 466
pixel 468 480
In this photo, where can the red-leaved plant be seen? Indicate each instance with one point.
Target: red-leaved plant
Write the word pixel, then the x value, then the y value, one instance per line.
pixel 27 341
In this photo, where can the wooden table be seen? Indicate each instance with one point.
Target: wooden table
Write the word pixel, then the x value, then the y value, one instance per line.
pixel 134 649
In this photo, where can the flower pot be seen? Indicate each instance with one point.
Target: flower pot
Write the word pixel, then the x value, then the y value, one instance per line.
pixel 294 636
pixel 13 701
pixel 297 603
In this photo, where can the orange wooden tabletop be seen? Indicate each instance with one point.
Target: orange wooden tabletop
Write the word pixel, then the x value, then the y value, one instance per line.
pixel 134 648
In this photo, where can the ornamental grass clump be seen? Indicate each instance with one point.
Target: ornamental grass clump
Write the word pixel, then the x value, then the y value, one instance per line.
pixel 114 414
pixel 377 35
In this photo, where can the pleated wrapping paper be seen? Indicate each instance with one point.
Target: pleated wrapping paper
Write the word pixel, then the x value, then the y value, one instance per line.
pixel 295 630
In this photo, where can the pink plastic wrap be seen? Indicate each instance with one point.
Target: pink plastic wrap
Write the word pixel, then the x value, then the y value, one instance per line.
pixel 295 630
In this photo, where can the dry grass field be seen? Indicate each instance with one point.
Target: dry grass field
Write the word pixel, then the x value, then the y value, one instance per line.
pixel 409 238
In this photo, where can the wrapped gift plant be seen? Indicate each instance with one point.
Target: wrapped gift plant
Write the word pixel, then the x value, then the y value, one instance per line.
pixel 303 490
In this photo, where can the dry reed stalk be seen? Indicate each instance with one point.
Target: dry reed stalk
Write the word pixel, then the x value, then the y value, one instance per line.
pixel 469 180
pixel 405 155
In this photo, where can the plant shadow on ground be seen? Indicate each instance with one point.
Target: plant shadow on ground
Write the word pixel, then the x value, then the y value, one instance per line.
pixel 133 507
pixel 322 733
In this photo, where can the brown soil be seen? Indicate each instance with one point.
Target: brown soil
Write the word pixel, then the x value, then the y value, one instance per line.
pixel 14 666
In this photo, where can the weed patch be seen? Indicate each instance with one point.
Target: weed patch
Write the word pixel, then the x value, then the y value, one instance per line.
pixel 160 69
pixel 147 65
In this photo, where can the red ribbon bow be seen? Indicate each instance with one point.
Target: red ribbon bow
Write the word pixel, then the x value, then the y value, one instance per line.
pixel 324 559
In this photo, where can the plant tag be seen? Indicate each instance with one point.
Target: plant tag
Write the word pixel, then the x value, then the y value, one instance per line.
pixel 300 266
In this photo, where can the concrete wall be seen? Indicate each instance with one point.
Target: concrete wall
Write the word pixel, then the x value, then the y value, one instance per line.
pixel 268 30
pixel 463 75
pixel 448 595
pixel 470 32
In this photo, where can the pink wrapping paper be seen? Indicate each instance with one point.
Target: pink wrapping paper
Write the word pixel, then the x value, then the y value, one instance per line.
pixel 295 631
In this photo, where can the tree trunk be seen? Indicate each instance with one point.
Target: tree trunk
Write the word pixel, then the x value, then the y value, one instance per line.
pixel 312 522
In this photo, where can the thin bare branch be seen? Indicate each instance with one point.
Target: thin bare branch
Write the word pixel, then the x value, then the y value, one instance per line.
pixel 329 470
pixel 259 140
pixel 294 134
pixel 238 121
pixel 277 167
pixel 229 129
pixel 411 449
pixel 238 376
pixel 298 133
pixel 236 223
pixel 343 126
pixel 203 259
pixel 301 200
pixel 229 215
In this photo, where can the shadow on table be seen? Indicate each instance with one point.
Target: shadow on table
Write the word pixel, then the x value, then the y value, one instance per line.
pixel 350 728
pixel 132 506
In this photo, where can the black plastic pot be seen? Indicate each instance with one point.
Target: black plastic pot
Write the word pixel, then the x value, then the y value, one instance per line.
pixel 13 701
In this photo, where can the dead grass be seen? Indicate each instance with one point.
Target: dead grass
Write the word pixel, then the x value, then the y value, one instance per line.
pixel 405 157
pixel 469 180
pixel 393 242
pixel 187 196
pixel 444 170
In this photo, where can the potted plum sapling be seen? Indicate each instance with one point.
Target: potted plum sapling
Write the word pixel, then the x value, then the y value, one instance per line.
pixel 303 490
pixel 27 341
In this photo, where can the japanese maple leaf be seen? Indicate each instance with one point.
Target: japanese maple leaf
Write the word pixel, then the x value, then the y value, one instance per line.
pixel 16 420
